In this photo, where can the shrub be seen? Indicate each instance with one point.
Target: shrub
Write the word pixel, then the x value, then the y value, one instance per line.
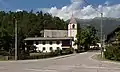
pixel 112 53
pixel 43 55
pixel 67 51
pixel 4 53
pixel 3 58
pixel 55 53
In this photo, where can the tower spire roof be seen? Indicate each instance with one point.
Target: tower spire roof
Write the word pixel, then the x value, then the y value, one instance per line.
pixel 73 20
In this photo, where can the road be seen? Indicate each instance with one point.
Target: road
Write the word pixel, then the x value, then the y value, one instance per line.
pixel 77 63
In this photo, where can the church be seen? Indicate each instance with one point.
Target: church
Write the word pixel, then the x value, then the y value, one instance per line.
pixel 55 39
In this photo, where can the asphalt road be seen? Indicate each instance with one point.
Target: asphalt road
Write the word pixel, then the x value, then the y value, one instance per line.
pixel 77 63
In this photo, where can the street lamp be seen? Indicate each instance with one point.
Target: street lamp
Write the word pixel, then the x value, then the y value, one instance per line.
pixel 102 34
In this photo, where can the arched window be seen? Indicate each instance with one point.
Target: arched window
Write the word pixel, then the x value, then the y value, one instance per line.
pixel 36 42
pixel 51 48
pixel 43 48
pixel 50 42
pixel 73 26
pixel 58 48
pixel 43 42
pixel 58 42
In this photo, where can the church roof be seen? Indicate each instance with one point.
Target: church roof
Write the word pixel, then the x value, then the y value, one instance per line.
pixel 73 20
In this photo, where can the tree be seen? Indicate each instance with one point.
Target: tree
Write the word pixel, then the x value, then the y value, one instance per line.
pixel 113 50
pixel 86 36
pixel 29 25
pixel 118 36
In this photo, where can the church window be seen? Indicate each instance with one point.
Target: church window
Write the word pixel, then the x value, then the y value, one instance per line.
pixel 73 26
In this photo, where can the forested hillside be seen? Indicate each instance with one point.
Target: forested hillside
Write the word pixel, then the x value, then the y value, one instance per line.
pixel 29 25
pixel 109 24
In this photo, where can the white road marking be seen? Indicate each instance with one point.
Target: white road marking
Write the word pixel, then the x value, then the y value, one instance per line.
pixel 38 70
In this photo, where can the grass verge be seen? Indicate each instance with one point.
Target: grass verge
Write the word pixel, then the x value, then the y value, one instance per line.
pixel 98 57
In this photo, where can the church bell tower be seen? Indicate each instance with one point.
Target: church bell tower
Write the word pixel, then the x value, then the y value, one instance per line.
pixel 72 30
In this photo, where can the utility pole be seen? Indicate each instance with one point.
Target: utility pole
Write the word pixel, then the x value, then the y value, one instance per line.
pixel 15 39
pixel 102 35
pixel 103 43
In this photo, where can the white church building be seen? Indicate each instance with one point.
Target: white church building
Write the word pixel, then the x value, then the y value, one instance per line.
pixel 56 39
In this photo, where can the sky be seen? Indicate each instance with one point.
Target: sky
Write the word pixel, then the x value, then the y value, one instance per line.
pixel 65 8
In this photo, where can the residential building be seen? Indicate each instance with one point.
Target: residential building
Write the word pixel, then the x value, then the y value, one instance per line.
pixel 55 39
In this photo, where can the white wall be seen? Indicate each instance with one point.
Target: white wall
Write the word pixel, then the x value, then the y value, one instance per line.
pixel 47 46
pixel 72 33
pixel 55 33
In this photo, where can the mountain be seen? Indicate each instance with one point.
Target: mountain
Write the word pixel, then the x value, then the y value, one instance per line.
pixel 109 24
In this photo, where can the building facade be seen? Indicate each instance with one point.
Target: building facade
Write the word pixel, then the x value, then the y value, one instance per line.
pixel 56 39
pixel 45 44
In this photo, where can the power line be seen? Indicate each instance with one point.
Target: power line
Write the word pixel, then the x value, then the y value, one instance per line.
pixel 100 26
pixel 91 5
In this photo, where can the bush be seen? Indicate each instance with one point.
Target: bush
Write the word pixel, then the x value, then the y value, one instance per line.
pixel 3 58
pixel 44 55
pixel 112 53
pixel 4 53
pixel 34 57
pixel 55 53
pixel 67 51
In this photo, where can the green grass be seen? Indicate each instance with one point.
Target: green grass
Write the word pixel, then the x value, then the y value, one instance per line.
pixel 98 57
pixel 3 58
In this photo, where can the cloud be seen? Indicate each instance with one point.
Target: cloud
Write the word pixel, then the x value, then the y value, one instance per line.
pixel 85 12
pixel 107 3
pixel 19 10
